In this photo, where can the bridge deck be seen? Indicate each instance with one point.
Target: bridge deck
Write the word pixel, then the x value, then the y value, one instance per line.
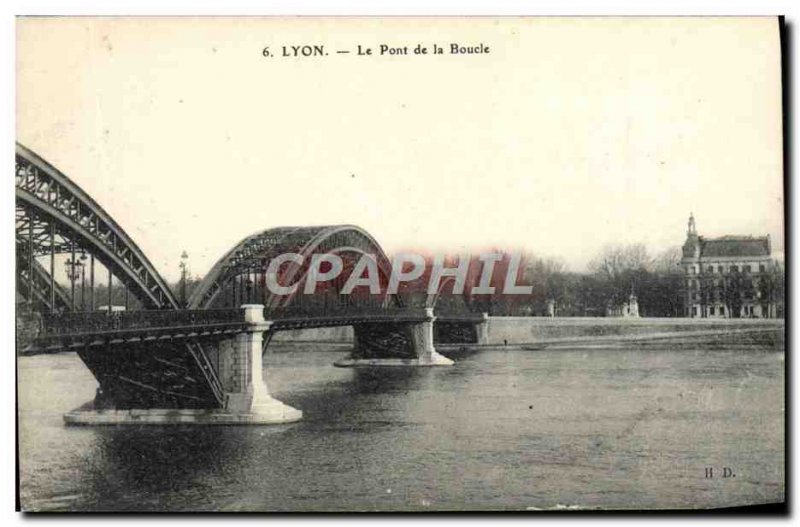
pixel 75 330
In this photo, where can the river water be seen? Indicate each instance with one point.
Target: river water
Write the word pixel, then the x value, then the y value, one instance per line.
pixel 623 427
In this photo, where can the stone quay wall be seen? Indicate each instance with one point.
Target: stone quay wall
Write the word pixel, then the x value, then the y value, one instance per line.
pixel 527 330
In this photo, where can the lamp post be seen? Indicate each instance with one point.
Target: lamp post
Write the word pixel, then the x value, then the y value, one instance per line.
pixel 74 269
pixel 184 267
pixel 83 280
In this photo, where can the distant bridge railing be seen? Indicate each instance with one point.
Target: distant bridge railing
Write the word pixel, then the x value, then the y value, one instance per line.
pixel 298 317
pixel 461 317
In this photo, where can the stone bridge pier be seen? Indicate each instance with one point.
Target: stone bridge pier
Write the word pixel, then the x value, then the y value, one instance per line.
pixel 239 367
pixel 395 344
pixel 482 330
pixel 246 397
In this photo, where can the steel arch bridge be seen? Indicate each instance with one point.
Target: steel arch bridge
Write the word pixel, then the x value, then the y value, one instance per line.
pixel 163 355
pixel 239 276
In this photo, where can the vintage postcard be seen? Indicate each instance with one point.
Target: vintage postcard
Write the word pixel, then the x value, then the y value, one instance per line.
pixel 400 264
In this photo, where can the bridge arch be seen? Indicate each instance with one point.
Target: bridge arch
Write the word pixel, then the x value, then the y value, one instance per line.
pixel 54 215
pixel 249 257
pixel 448 303
pixel 432 299
pixel 34 282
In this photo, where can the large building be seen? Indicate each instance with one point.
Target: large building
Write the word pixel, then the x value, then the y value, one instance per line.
pixel 728 277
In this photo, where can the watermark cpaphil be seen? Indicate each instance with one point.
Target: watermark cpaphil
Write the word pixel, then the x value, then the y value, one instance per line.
pixel 352 272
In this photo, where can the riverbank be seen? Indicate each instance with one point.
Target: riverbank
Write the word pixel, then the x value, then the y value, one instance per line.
pixel 510 331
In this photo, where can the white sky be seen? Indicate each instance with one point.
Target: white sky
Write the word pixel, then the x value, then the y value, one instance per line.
pixel 570 134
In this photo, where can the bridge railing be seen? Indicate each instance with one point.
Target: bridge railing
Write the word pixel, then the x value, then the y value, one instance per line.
pixel 71 323
pixel 304 311
pixel 459 317
pixel 78 323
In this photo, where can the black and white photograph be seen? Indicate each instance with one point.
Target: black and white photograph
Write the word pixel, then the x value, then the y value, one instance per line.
pixel 400 264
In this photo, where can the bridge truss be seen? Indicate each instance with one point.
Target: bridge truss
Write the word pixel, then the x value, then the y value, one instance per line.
pixel 239 276
pixel 56 217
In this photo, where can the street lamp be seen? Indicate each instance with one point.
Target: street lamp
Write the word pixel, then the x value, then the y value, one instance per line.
pixel 83 280
pixel 74 269
pixel 184 267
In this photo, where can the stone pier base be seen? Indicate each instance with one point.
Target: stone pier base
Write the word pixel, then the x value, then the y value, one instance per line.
pixel 87 416
pixel 434 359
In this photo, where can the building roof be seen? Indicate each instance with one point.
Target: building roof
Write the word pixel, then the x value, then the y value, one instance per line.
pixel 734 246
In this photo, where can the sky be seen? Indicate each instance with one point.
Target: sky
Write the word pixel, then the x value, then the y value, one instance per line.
pixel 568 135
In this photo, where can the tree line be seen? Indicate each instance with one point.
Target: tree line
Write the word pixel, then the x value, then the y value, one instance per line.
pixel 612 275
pixel 617 271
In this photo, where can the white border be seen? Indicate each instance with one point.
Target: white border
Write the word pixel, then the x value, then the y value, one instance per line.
pixel 790 8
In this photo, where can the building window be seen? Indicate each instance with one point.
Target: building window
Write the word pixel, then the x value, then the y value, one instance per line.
pixel 734 269
pixel 761 268
pixel 711 310
pixel 711 269
pixel 747 269
pixel 721 269
pixel 694 310
pixel 721 310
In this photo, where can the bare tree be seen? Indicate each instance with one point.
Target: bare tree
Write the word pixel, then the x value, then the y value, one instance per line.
pixel 668 260
pixel 614 260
